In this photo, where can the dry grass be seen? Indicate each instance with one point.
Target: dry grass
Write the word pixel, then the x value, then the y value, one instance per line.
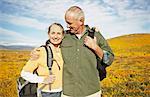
pixel 11 63
pixel 128 76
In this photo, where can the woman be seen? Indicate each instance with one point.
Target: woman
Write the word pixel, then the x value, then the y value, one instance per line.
pixel 50 85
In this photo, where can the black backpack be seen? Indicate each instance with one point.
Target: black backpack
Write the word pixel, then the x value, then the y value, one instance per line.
pixel 27 89
pixel 101 67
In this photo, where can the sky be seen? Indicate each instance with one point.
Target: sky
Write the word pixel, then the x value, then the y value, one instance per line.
pixel 25 22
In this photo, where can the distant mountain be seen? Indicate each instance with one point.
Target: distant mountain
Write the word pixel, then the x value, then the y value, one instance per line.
pixel 16 47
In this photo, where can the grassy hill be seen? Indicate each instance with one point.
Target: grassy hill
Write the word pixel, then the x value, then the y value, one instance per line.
pixel 128 76
pixel 130 45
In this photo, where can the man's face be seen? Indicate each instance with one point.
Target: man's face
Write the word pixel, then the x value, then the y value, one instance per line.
pixel 56 35
pixel 72 23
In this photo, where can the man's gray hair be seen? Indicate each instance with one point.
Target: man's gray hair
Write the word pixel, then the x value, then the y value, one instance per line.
pixel 76 11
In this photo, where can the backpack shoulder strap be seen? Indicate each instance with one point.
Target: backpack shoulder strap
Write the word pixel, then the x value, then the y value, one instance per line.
pixel 101 68
pixel 21 83
pixel 91 32
pixel 49 54
pixel 50 58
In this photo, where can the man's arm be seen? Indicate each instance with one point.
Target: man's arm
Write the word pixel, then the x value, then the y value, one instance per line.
pixel 98 51
pixel 91 43
pixel 104 55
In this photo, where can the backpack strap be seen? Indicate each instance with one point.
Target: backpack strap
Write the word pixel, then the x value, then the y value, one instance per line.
pixel 50 58
pixel 100 65
pixel 19 85
pixel 91 32
pixel 49 54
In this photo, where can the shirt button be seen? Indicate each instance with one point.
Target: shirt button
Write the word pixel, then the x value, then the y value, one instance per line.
pixel 77 49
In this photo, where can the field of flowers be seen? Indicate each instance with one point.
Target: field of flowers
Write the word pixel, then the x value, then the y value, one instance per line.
pixel 128 76
pixel 11 63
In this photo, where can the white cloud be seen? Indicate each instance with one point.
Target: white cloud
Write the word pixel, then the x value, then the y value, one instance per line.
pixel 113 17
pixel 16 38
pixel 23 21
pixel 11 33
pixel 44 8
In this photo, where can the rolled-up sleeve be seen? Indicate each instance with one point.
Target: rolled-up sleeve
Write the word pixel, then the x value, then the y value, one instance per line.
pixel 107 57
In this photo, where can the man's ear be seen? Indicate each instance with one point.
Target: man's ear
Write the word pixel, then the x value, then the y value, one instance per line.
pixel 81 21
pixel 63 36
pixel 97 29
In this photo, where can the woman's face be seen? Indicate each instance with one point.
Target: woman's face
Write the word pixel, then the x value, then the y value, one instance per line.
pixel 56 35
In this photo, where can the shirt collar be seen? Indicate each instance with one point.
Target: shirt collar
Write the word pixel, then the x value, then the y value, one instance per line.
pixel 84 32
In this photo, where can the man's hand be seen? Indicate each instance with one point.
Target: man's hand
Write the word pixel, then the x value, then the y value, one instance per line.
pixel 49 79
pixel 91 43
pixel 34 55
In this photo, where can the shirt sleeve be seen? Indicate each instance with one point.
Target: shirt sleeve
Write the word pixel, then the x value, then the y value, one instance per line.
pixel 107 57
pixel 32 65
pixel 33 78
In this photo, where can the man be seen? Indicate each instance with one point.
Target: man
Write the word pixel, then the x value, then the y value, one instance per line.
pixel 80 54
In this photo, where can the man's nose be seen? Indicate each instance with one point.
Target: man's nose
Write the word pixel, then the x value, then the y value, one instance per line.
pixel 55 36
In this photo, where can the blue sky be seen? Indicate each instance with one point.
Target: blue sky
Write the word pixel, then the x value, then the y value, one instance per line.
pixel 26 21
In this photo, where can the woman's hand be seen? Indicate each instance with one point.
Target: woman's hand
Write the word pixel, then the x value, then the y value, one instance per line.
pixel 49 79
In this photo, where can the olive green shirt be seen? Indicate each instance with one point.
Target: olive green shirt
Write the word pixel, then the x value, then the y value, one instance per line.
pixel 80 75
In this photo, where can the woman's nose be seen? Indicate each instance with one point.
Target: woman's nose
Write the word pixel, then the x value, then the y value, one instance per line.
pixel 68 26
